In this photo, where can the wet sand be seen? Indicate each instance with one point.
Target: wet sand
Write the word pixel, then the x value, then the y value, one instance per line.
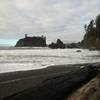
pixel 16 84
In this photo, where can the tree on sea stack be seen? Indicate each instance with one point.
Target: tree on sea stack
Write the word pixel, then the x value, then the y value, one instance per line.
pixel 25 35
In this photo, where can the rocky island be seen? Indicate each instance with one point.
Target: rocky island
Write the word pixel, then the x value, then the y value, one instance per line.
pixel 58 44
pixel 35 41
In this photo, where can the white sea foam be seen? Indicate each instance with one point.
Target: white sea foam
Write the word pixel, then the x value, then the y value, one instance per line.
pixel 28 59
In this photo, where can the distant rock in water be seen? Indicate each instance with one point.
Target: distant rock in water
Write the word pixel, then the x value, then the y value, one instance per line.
pixel 78 51
pixel 73 45
pixel 58 44
pixel 32 42
pixel 91 39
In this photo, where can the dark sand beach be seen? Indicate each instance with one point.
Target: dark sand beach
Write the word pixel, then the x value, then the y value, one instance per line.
pixel 52 82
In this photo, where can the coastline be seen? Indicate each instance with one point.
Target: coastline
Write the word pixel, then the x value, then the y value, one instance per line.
pixel 15 82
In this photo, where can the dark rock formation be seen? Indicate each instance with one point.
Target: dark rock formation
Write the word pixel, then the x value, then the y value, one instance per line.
pixel 58 44
pixel 78 51
pixel 57 86
pixel 32 42
pixel 91 39
pixel 73 45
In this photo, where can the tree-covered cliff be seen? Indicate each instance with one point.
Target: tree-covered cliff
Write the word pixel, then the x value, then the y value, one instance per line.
pixel 92 37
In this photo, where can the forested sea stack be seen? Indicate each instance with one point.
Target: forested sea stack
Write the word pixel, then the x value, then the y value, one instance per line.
pixel 39 41
pixel 91 39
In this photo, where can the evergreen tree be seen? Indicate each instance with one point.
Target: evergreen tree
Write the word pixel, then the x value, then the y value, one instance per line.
pixel 98 26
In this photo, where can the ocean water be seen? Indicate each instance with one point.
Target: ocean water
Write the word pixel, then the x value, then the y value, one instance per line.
pixel 36 58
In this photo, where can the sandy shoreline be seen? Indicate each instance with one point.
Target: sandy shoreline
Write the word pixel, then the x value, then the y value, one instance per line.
pixel 19 81
pixel 38 72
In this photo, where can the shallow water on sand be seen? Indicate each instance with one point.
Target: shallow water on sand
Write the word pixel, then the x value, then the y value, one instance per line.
pixel 37 58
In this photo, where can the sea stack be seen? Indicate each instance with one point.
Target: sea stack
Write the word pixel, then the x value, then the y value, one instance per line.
pixel 35 41
pixel 58 44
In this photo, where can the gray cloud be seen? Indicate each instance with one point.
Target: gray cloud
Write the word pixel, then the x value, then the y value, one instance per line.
pixel 53 18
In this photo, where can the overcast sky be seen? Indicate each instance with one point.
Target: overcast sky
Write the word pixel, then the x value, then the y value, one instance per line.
pixel 53 18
